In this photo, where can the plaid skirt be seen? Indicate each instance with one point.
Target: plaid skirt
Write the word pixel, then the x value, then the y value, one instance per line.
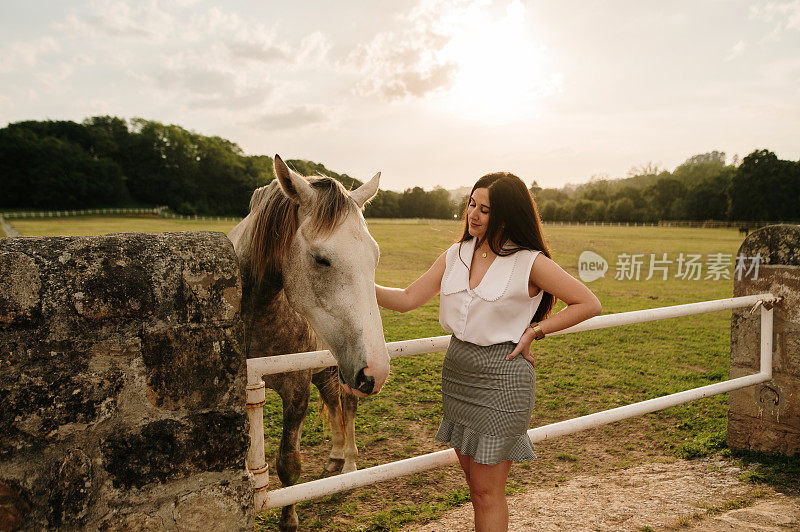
pixel 487 402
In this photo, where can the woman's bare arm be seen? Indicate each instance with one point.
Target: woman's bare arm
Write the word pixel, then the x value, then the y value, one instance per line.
pixel 417 293
pixel 582 304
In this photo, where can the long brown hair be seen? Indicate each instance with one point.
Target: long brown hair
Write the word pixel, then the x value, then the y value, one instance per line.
pixel 514 224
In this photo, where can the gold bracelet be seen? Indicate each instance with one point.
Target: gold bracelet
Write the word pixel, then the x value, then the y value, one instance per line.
pixel 538 333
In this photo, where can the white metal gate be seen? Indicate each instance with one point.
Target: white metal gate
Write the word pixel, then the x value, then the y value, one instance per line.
pixel 258 367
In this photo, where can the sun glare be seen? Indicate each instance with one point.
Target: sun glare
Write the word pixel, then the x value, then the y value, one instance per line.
pixel 500 71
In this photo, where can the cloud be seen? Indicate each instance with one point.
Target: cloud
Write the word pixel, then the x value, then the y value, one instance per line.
pixel 5 105
pixel 259 44
pixel 736 50
pixel 120 19
pixel 208 79
pixel 55 76
pixel 786 15
pixel 313 48
pixel 203 58
pixel 469 58
pixel 410 82
pixel 243 98
pixel 410 63
pixel 293 117
pixel 198 79
pixel 26 54
pixel 264 51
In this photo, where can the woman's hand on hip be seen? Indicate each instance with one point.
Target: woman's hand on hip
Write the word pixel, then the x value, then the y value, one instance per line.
pixel 524 347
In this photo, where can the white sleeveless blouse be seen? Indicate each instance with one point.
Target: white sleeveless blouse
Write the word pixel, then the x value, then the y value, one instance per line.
pixel 499 309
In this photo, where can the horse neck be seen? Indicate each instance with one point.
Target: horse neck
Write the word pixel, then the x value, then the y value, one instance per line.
pixel 272 326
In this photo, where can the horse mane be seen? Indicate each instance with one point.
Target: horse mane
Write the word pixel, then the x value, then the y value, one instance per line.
pixel 275 223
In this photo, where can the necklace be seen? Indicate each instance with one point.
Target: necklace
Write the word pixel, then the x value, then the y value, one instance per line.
pixel 483 254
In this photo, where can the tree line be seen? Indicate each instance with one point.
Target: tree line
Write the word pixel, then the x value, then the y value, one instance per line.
pixel 106 161
pixel 760 187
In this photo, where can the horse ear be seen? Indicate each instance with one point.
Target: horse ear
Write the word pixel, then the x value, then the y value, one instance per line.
pixel 367 191
pixel 293 184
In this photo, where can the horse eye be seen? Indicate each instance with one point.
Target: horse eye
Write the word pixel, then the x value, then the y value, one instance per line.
pixel 322 261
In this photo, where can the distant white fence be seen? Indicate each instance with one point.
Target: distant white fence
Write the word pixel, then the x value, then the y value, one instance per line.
pixel 80 212
pixel 162 211
pixel 707 224
pixel 173 216
pixel 601 224
pixel 258 367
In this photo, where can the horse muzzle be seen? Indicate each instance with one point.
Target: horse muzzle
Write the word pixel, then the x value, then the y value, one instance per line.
pixel 364 385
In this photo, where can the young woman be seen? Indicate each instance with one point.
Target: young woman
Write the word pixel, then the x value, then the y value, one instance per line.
pixel 498 285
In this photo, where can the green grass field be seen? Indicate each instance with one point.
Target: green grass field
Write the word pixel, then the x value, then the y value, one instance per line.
pixel 577 374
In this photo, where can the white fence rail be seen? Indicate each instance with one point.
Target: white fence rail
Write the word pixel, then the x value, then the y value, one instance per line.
pixel 258 367
pixel 80 212
pixel 162 211
pixel 704 224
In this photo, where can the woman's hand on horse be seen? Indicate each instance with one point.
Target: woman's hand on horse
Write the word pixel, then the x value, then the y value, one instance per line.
pixel 524 347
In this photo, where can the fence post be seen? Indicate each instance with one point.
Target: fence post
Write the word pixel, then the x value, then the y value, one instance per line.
pixel 766 417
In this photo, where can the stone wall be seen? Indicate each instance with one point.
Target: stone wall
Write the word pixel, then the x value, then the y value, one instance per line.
pixel 766 417
pixel 122 384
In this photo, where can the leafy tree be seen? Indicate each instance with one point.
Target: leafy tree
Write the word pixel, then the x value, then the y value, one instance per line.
pixel 585 210
pixel 412 203
pixel 385 204
pixel 53 173
pixel 632 193
pixel 699 168
pixel 648 169
pixel 535 189
pixel 559 196
pixel 663 197
pixel 310 168
pixel 259 166
pixel 717 157
pixel 765 188
pixel 109 137
pixel 708 198
pixel 548 211
pixel 438 204
pixel 621 210
pixel 461 207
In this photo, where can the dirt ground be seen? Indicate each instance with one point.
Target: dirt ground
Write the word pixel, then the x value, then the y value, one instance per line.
pixel 698 494
pixel 607 478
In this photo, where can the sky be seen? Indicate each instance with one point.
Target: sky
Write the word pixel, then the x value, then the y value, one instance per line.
pixel 427 92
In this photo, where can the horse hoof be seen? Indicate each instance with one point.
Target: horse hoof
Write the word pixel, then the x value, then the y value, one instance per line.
pixel 349 468
pixel 333 467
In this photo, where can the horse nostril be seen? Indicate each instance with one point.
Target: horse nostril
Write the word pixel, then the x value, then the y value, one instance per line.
pixel 364 383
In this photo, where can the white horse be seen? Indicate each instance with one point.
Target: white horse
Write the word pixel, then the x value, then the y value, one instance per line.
pixel 308 271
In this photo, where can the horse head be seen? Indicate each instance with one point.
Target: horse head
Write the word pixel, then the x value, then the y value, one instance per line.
pixel 328 274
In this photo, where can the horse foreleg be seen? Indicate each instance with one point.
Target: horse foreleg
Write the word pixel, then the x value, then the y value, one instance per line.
pixel 289 465
pixel 327 382
pixel 350 404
